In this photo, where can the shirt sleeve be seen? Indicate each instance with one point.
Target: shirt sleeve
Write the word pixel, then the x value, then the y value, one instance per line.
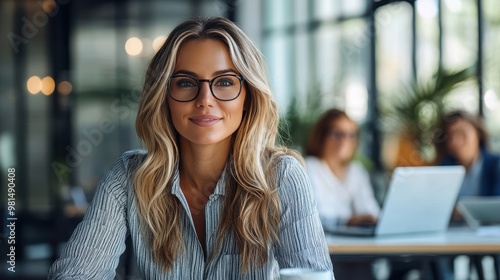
pixel 332 223
pixel 94 249
pixel 302 241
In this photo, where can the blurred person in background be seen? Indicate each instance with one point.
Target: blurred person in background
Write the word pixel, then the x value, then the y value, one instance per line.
pixel 341 187
pixel 213 197
pixel 462 139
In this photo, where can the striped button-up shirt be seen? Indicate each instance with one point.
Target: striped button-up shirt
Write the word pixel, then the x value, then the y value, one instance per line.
pixel 94 249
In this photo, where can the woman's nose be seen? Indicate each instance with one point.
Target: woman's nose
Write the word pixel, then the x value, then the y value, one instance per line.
pixel 205 97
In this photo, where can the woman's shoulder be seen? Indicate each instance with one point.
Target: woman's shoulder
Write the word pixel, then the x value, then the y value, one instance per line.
pixel 293 185
pixel 290 171
pixel 490 156
pixel 124 167
pixel 285 162
pixel 132 159
pixel 491 162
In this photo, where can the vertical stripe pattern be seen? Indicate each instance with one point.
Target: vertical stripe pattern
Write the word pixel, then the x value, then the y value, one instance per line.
pixel 94 249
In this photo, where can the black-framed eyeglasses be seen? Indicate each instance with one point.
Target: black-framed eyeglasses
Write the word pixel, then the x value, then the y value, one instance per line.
pixel 184 88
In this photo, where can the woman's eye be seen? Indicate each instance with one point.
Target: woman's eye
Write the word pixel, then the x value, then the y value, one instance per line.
pixel 185 83
pixel 224 83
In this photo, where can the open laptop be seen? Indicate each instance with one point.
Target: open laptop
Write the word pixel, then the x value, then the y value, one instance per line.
pixel 419 200
pixel 480 210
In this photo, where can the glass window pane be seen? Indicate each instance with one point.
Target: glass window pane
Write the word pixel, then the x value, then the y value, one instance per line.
pixel 354 7
pixel 38 126
pixel 301 58
pixel 278 56
pixel 459 33
pixel 394 25
pixel 7 90
pixel 326 9
pixel 277 14
pixel 491 71
pixel 301 10
pixel 460 50
pixel 94 63
pixel 327 60
pixel 427 39
pixel 332 9
pixel 354 55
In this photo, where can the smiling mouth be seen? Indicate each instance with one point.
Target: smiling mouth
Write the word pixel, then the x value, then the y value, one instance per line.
pixel 205 121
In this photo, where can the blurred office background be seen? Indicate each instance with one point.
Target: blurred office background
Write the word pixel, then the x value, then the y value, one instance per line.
pixel 72 71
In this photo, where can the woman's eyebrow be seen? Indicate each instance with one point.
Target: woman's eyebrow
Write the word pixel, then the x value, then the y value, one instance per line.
pixel 220 72
pixel 185 72
pixel 193 74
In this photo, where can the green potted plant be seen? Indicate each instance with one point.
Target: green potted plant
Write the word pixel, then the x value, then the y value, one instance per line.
pixel 415 113
pixel 297 122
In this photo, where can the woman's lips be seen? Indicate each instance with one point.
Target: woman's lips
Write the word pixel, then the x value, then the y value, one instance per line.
pixel 205 120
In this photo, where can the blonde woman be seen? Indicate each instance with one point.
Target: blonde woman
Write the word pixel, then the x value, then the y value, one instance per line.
pixel 213 197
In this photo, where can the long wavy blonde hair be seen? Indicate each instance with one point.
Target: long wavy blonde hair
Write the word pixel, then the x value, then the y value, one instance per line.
pixel 251 204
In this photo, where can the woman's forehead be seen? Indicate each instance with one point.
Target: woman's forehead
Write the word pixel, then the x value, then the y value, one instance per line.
pixel 344 123
pixel 204 57
pixel 460 124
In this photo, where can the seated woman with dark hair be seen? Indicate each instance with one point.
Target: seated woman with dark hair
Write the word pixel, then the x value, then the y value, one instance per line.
pixel 341 187
pixel 461 139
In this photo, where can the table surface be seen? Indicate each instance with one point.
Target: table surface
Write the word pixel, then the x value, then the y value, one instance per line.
pixel 454 241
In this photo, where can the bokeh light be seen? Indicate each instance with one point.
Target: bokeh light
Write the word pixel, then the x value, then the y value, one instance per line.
pixel 491 100
pixel 64 87
pixel 158 42
pixel 356 106
pixel 48 85
pixel 427 8
pixel 454 6
pixel 133 46
pixel 34 84
pixel 49 6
